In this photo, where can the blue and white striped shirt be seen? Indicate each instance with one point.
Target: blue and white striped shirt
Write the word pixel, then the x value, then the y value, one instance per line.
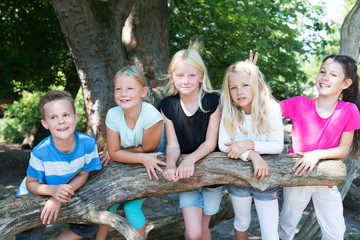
pixel 52 167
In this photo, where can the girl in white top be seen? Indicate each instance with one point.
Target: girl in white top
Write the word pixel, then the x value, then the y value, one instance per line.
pixel 251 125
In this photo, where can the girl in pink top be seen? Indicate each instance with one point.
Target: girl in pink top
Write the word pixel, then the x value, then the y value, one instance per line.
pixel 323 128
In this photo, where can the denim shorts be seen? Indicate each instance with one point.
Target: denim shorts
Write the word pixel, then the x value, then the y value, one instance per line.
pixel 32 234
pixel 246 191
pixel 207 198
pixel 83 230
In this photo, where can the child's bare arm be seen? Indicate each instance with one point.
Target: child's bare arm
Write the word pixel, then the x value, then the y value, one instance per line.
pixel 79 180
pixel 151 139
pixel 152 136
pixel 311 158
pixel 61 192
pixel 114 148
pixel 172 150
pixel 52 206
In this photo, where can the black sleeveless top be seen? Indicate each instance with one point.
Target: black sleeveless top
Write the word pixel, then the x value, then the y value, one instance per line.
pixel 190 130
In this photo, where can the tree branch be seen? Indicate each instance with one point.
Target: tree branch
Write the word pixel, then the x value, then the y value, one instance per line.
pixel 124 182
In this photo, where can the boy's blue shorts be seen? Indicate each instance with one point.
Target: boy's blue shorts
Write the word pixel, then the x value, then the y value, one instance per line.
pixel 82 230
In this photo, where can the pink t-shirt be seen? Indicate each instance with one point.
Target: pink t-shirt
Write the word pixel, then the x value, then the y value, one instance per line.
pixel 310 131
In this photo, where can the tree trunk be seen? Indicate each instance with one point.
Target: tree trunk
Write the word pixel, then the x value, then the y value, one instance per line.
pixel 146 40
pixel 94 33
pixel 123 182
pixel 350 33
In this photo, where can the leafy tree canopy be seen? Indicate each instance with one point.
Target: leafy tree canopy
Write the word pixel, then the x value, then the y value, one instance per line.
pixel 32 47
pixel 230 28
pixel 33 50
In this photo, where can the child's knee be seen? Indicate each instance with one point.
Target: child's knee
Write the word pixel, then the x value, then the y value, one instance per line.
pixel 193 234
pixel 241 224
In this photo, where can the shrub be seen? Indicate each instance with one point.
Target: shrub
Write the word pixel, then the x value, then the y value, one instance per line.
pixel 20 116
pixel 23 115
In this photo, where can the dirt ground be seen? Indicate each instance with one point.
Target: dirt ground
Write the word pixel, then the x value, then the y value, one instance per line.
pixel 13 164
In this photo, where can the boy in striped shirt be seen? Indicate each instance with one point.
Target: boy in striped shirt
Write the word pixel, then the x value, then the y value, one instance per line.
pixel 59 164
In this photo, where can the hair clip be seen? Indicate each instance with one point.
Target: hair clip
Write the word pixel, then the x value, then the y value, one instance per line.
pixel 129 72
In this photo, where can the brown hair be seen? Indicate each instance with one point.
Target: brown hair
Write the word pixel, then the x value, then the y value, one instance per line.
pixel 54 96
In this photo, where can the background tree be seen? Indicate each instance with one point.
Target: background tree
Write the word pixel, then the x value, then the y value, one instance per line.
pixel 33 51
pixel 230 28
pixel 104 36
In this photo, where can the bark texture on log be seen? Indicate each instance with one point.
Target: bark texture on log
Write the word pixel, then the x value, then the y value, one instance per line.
pixel 172 227
pixel 123 182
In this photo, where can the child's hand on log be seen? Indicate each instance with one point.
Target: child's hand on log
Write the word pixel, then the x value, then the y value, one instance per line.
pixel 50 211
pixel 185 169
pixel 151 163
pixel 307 162
pixel 104 157
pixel 261 168
pixel 62 192
pixel 169 173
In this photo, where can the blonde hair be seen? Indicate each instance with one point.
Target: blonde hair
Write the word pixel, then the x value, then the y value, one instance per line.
pixel 133 71
pixel 192 57
pixel 232 114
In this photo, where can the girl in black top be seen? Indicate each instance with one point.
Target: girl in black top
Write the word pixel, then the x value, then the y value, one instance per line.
pixel 192 116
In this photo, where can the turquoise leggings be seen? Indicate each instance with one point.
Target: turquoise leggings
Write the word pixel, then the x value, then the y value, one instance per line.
pixel 133 212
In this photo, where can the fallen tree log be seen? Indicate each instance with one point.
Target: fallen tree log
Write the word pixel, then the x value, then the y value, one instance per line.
pixel 123 182
pixel 167 225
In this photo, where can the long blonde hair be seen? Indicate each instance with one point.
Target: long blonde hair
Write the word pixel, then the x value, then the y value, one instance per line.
pixel 192 57
pixel 232 114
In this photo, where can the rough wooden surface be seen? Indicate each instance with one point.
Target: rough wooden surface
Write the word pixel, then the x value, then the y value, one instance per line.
pixel 123 182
